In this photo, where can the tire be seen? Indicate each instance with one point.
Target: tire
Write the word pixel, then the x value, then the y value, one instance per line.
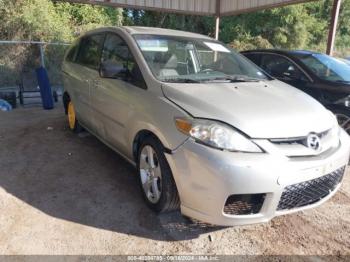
pixel 343 117
pixel 157 183
pixel 73 123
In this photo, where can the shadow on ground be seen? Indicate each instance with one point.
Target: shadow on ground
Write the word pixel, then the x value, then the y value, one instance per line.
pixel 77 178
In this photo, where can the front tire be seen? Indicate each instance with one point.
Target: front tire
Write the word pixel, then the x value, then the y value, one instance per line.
pixel 155 177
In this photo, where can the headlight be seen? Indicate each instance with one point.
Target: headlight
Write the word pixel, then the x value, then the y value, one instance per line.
pixel 216 134
pixel 344 101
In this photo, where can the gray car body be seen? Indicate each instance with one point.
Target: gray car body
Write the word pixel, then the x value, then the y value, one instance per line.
pixel 118 113
pixel 122 109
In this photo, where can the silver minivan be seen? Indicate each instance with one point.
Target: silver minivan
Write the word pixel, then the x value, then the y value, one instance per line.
pixel 209 132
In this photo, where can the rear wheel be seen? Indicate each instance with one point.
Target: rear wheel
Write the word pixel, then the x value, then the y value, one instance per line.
pixel 72 119
pixel 155 177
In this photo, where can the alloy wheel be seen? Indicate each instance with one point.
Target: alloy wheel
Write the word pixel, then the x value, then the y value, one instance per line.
pixel 150 174
pixel 71 115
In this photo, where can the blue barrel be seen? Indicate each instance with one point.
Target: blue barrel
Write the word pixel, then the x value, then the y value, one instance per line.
pixel 45 88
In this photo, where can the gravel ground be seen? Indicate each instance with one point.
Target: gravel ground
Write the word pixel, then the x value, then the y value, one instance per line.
pixel 62 193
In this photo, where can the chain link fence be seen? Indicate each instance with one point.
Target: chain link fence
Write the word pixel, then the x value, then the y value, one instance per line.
pixel 18 61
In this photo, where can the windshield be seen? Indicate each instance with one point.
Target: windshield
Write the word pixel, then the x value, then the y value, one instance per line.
pixel 181 59
pixel 326 67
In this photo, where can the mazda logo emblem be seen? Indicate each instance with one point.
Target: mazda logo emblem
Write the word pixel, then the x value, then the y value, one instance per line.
pixel 313 142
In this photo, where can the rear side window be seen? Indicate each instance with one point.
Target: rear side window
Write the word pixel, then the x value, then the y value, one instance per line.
pixel 255 58
pixel 90 51
pixel 276 65
pixel 281 67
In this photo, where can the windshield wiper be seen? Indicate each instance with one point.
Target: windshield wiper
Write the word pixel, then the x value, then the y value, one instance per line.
pixel 180 80
pixel 236 79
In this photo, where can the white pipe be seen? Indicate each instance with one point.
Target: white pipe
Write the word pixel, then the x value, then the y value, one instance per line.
pixel 42 56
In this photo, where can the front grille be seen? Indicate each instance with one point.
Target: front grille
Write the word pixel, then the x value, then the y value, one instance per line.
pixel 297 147
pixel 244 204
pixel 311 191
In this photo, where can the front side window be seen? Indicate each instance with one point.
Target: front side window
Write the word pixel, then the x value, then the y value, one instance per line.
pixel 72 52
pixel 118 62
pixel 326 67
pixel 90 51
pixel 179 59
pixel 117 53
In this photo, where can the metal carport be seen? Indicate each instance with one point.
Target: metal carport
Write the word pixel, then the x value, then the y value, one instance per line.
pixel 215 8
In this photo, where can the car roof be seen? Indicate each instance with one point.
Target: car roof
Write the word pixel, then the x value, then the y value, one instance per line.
pixel 133 30
pixel 282 51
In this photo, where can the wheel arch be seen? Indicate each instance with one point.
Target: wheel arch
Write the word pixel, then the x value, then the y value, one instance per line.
pixel 140 136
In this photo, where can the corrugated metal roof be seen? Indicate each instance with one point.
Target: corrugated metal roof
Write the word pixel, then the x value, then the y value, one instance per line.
pixel 194 7
pixel 233 7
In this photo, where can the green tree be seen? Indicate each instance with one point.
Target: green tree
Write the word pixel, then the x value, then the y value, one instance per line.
pixel 86 17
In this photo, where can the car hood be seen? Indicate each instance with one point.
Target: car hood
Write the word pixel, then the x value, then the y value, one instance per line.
pixel 270 109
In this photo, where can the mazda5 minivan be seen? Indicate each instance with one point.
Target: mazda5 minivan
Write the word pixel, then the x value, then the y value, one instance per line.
pixel 207 130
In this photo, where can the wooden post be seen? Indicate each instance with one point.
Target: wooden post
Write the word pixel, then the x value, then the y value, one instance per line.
pixel 333 27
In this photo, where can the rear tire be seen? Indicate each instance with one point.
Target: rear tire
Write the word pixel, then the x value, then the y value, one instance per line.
pixel 155 177
pixel 73 123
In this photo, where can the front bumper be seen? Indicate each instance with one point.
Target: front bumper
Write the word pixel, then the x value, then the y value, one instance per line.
pixel 206 177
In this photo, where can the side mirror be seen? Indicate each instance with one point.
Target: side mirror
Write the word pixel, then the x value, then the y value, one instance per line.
pixel 111 69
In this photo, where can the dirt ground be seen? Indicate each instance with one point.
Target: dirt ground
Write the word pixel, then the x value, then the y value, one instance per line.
pixel 62 193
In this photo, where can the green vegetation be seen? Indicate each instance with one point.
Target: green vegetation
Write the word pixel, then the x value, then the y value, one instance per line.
pixel 48 21
pixel 295 26
pixel 302 26
pixel 44 20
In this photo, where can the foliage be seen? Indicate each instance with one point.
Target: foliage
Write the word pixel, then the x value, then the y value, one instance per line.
pixel 44 20
pixel 248 42
pixel 86 17
pixel 199 24
pixel 301 26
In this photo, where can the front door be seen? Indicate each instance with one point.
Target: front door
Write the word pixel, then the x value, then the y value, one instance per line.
pixel 115 96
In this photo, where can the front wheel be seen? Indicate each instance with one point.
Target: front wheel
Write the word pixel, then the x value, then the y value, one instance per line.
pixel 155 177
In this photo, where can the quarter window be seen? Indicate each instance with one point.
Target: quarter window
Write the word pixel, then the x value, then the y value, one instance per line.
pixel 72 52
